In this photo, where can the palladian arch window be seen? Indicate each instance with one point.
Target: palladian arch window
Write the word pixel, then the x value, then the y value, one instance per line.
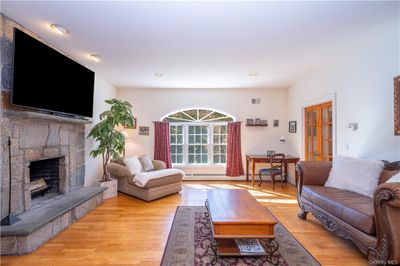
pixel 198 136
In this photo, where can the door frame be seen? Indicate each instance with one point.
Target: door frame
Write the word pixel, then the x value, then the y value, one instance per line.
pixel 327 98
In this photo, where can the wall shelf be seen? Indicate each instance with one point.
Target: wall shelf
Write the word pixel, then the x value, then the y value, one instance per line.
pixel 255 125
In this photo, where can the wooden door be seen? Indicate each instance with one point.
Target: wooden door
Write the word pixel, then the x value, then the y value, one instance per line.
pixel 318 132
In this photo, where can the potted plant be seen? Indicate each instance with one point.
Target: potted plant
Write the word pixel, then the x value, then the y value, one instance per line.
pixel 110 140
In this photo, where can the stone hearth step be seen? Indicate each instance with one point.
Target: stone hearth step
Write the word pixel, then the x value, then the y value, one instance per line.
pixel 38 225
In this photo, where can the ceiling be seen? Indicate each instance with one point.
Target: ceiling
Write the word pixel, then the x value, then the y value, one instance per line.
pixel 207 44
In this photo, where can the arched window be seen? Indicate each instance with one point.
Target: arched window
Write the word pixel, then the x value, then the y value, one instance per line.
pixel 198 136
pixel 198 115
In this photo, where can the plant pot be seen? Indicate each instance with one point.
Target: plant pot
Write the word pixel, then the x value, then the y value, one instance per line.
pixel 111 190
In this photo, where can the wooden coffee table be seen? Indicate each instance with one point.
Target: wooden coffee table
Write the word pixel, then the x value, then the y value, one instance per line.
pixel 236 214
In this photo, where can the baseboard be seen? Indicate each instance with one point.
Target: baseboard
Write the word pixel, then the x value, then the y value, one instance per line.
pixel 214 178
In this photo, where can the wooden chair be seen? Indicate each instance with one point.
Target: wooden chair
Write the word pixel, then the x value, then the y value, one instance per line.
pixel 276 163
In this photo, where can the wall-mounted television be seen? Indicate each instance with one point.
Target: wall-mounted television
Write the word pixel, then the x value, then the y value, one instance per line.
pixel 48 80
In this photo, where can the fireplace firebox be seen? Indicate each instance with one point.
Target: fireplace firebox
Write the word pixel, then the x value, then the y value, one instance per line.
pixel 45 178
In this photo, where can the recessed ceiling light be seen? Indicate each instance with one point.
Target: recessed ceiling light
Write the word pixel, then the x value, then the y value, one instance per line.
pixel 59 29
pixel 95 57
pixel 158 74
pixel 253 74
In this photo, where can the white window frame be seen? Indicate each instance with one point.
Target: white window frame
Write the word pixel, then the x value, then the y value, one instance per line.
pixel 175 144
pixel 219 144
pixel 185 128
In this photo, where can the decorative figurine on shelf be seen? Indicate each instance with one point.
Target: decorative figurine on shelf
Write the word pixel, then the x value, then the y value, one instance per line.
pixel 270 153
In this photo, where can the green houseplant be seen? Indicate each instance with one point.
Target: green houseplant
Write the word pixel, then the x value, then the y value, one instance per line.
pixel 111 141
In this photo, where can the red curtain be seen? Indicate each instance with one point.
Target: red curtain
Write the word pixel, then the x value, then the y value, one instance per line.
pixel 162 148
pixel 234 165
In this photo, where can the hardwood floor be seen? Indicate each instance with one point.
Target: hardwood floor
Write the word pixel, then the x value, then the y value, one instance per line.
pixel 128 231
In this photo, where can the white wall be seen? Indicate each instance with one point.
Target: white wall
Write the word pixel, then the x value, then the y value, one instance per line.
pixel 363 84
pixel 102 91
pixel 152 104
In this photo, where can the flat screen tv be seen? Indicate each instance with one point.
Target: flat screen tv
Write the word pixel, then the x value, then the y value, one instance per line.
pixel 48 80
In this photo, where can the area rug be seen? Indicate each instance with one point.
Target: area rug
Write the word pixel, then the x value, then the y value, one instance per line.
pixel 189 244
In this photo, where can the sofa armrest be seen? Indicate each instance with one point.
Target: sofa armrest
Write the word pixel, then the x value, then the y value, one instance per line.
pixel 311 173
pixel 387 217
pixel 159 165
pixel 117 170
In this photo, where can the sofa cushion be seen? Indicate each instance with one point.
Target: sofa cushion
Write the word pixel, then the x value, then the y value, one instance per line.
pixel 386 175
pixel 357 175
pixel 133 164
pixel 147 164
pixel 350 207
pixel 395 178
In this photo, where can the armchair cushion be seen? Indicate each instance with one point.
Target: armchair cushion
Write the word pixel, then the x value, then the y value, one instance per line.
pixel 119 171
pixel 350 207
pixel 143 178
pixel 159 165
pixel 356 175
pixel 269 171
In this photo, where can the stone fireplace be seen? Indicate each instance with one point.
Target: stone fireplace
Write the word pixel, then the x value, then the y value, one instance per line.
pixel 38 138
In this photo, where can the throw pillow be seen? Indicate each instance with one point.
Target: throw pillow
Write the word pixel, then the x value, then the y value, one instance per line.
pixel 146 162
pixel 357 175
pixel 395 178
pixel 133 164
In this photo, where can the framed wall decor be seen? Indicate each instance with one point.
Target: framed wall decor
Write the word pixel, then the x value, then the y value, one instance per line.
pixel 276 123
pixel 292 126
pixel 397 106
pixel 270 153
pixel 144 131
pixel 134 124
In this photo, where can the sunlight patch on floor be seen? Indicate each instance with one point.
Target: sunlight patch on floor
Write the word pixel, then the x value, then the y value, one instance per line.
pixel 257 193
pixel 277 193
pixel 224 186
pixel 278 201
pixel 245 186
pixel 198 186
pixel 212 186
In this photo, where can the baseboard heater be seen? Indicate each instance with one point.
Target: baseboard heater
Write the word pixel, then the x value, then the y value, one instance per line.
pixel 208 175
pixel 192 176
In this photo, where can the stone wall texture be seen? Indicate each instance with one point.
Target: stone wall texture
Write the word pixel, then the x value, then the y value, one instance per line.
pixel 33 138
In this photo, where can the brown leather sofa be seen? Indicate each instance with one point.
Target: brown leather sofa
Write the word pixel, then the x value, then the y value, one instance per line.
pixel 373 224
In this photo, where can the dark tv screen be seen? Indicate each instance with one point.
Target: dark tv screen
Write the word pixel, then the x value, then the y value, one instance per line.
pixel 48 80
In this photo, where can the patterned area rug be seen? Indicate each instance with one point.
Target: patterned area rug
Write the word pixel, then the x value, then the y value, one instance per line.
pixel 189 244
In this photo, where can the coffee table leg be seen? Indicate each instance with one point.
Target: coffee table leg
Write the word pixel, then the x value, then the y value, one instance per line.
pixel 272 251
pixel 207 212
pixel 214 246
